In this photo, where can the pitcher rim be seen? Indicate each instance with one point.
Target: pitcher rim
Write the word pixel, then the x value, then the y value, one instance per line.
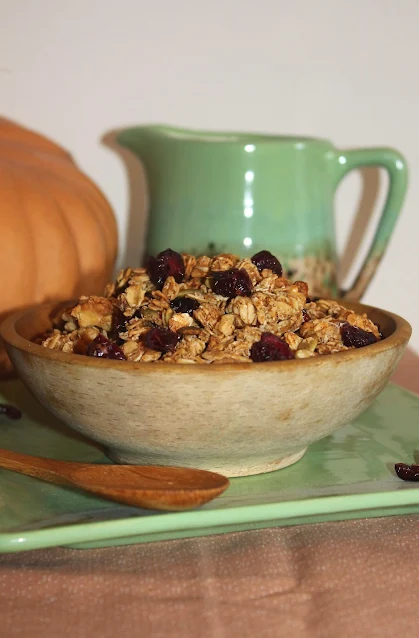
pixel 226 136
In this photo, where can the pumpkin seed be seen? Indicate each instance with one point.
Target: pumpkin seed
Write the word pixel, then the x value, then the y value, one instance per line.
pixel 310 344
pixel 166 316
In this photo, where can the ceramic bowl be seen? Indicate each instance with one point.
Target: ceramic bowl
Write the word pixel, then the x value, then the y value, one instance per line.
pixel 236 419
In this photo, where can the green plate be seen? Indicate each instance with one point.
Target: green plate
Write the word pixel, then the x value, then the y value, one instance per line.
pixel 347 475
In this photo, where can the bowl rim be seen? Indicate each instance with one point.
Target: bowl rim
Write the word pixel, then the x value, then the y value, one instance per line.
pixel 13 339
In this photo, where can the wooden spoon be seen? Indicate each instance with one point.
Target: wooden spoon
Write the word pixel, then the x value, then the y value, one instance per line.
pixel 147 486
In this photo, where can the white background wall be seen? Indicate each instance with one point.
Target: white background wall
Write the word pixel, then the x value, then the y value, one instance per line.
pixel 343 70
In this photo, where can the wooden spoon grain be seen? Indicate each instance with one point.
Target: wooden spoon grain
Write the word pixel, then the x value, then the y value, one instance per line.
pixel 147 486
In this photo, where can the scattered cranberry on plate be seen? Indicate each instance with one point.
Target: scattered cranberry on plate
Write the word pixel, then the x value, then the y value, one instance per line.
pixel 10 411
pixel 407 472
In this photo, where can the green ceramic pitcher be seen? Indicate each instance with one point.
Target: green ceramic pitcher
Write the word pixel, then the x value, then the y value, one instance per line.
pixel 241 193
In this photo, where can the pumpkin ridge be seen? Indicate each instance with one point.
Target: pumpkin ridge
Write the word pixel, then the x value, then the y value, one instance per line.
pixel 107 233
pixel 70 271
pixel 21 244
pixel 105 211
pixel 78 211
pixel 94 211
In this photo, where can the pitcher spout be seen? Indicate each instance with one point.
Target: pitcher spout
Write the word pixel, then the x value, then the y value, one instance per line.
pixel 134 138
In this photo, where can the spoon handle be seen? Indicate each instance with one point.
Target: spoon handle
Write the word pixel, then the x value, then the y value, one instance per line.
pixel 44 469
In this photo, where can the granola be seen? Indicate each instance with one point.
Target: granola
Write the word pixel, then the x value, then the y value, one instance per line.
pixel 223 309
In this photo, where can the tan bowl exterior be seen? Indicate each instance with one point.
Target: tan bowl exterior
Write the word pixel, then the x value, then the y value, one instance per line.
pixel 236 419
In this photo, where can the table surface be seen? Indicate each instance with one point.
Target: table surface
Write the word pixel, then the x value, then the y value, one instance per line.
pixel 345 579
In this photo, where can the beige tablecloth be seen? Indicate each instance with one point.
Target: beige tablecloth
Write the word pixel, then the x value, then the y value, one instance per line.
pixel 351 579
pixel 330 580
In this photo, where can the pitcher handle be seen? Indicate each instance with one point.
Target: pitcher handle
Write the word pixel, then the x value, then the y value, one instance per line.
pixel 395 165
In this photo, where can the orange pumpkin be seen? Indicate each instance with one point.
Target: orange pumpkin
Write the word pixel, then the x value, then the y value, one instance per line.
pixel 58 232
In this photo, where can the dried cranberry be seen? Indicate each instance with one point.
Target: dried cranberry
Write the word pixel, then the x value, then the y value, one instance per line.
pixel 103 347
pixel 407 472
pixel 10 411
pixel 118 319
pixel 306 316
pixel 184 304
pixel 270 348
pixel 118 323
pixel 264 260
pixel 232 283
pixel 167 263
pixel 161 339
pixel 354 337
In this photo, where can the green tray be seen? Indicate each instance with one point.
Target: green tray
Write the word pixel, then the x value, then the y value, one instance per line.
pixel 347 475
